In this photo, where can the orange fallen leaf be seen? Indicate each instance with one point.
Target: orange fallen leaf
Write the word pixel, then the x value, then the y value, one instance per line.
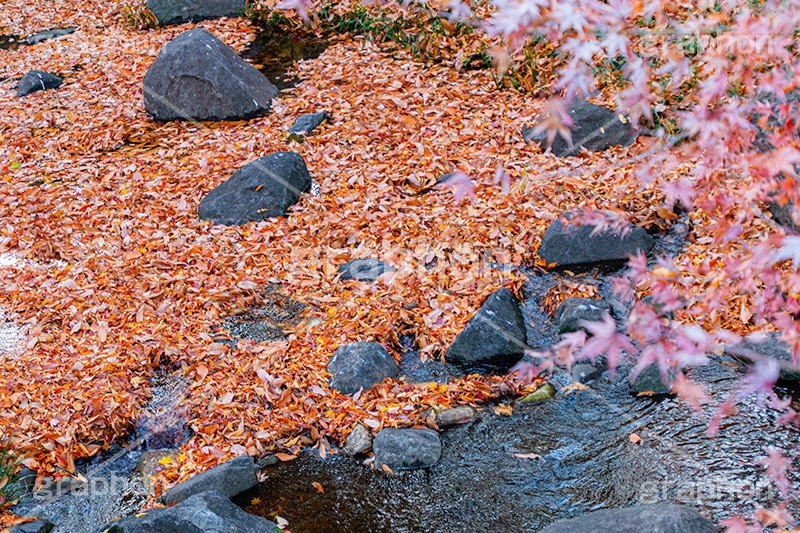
pixel 634 438
pixel 285 456
pixel 318 487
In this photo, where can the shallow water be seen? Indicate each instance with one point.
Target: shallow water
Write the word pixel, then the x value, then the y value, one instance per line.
pixel 587 459
pixel 275 51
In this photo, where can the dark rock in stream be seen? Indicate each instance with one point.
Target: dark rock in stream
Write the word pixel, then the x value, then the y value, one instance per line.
pixel 573 311
pixel 360 365
pixel 594 128
pixel 774 348
pixel 454 416
pixel 364 269
pixel 584 372
pixel 198 77
pixel 494 336
pixel 567 243
pixel 229 479
pixel 657 518
pixel 37 80
pixel 650 382
pixel 149 465
pixel 207 512
pixel 307 123
pixel 36 526
pixel 407 448
pixel 180 11
pixel 261 189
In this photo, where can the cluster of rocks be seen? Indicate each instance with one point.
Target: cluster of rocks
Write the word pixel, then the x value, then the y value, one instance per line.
pixel 40 80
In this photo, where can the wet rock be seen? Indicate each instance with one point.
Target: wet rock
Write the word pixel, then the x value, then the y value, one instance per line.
pixel 229 479
pixel 584 372
pixel 657 518
pixel 25 480
pixel 360 365
pixel 198 77
pixel 36 526
pixel 772 347
pixel 573 311
pixel 545 392
pixel 568 244
pixel 180 11
pixel 649 382
pixel 407 448
pixel 205 512
pixel 305 124
pixel 595 128
pixel 454 416
pixel 358 441
pixel 261 189
pixel 37 80
pixel 494 336
pixel 364 269
pixel 149 465
pixel 40 36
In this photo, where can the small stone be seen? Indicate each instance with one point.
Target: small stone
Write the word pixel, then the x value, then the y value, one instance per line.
pixel 358 441
pixel 149 465
pixel 364 269
pixel 407 448
pixel 573 311
pixel 269 460
pixel 229 479
pixel 454 416
pixel 37 80
pixel 543 393
pixel 360 365
pixel 649 382
pixel 41 36
pixel 584 372
pixel 305 124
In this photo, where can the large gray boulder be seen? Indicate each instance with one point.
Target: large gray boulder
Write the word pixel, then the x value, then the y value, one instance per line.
pixel 568 243
pixel 407 448
pixel 494 336
pixel 37 80
pixel 180 11
pixel 594 128
pixel 198 77
pixel 360 365
pixel 656 518
pixel 229 479
pixel 207 512
pixel 264 188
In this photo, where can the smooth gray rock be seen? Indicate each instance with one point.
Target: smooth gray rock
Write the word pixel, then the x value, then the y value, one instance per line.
pixel 454 416
pixel 180 11
pixel 37 80
pixel 407 448
pixel 261 189
pixel 229 479
pixel 573 311
pixel 36 526
pixel 198 77
pixel 772 347
pixel 364 269
pixel 584 372
pixel 650 382
pixel 568 244
pixel 594 128
pixel 657 518
pixel 495 335
pixel 207 512
pixel 358 441
pixel 360 365
pixel 305 124
pixel 41 36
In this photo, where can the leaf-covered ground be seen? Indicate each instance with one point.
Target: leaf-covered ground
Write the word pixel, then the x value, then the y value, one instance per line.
pixel 118 276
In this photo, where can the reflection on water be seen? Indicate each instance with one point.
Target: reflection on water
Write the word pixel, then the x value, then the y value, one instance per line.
pixel 275 50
